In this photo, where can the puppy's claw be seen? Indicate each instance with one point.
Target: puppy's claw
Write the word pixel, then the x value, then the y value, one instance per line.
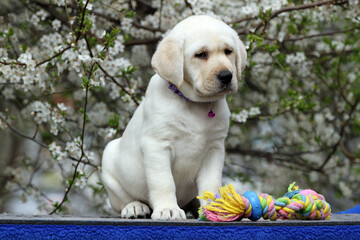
pixel 169 214
pixel 135 210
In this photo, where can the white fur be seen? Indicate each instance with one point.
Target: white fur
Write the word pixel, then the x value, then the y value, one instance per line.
pixel 171 150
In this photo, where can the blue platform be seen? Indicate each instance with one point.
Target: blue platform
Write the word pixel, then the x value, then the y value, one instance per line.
pixel 354 210
pixel 341 226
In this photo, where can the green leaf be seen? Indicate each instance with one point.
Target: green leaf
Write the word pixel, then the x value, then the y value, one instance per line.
pixel 80 3
pixel 130 14
pixel 10 32
pixel 127 37
pixel 292 29
pixel 56 204
pixel 70 181
pixel 317 139
pixel 114 122
pixel 24 47
pixel 327 41
pixel 110 37
pixel 255 38
pixel 85 82
pixel 271 47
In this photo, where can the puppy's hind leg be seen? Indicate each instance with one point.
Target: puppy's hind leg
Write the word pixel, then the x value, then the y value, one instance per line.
pixel 122 202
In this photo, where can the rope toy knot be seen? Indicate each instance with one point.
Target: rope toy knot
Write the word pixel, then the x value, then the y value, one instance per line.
pixel 295 204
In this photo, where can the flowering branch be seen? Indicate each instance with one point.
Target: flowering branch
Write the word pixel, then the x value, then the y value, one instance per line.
pixel 51 10
pixel 283 10
pixel 315 35
pixel 306 6
pixel 118 84
pixel 342 132
pixel 54 56
pixel 13 63
pixel 287 160
pixel 72 182
pixel 17 132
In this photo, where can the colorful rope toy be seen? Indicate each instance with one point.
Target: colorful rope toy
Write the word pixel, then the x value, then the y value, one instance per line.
pixel 296 204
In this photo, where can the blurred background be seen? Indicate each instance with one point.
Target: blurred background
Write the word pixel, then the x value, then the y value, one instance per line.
pixel 73 72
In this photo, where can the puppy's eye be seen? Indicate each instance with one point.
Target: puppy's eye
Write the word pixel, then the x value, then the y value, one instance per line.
pixel 201 55
pixel 227 51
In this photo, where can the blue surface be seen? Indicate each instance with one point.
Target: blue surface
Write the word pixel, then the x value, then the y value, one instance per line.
pixel 28 231
pixel 354 210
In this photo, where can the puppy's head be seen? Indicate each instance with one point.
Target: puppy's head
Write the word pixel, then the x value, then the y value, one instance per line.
pixel 202 56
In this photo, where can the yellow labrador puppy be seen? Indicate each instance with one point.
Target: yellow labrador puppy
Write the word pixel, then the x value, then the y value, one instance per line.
pixel 173 147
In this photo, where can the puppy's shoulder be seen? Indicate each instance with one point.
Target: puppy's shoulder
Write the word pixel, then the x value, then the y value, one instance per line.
pixel 158 96
pixel 156 84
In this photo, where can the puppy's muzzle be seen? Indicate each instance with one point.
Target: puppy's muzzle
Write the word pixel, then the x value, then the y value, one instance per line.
pixel 225 77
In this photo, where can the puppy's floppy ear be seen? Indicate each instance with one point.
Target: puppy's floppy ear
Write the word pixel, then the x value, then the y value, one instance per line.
pixel 168 61
pixel 241 57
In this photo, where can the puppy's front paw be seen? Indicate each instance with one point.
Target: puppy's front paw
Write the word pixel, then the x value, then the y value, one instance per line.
pixel 135 210
pixel 174 213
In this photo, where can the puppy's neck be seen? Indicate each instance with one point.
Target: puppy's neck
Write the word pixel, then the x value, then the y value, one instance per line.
pixel 174 89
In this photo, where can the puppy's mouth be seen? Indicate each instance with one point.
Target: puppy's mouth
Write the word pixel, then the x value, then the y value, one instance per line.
pixel 214 91
pixel 225 88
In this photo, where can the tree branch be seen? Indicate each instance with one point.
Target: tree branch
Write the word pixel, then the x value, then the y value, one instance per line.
pixel 17 132
pixel 142 41
pixel 118 84
pixel 314 35
pixel 289 160
pixel 71 183
pixel 50 9
pixel 342 132
pixel 54 56
pixel 306 6
pixel 288 9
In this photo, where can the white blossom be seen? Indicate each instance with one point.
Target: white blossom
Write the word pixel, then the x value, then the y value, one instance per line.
pixel 8 93
pixel 109 133
pixel 126 24
pixel 42 14
pixel 56 24
pixel 3 53
pixel 54 149
pixel 6 71
pixel 251 9
pixel 254 111
pixel 74 148
pixel 241 117
pixel 329 116
pixel 353 2
pixel 89 6
pixel 81 181
pixel 90 155
pixel 62 107
pixel 34 19
pixel 41 111
pixel 297 58
pixel 100 81
pixel 118 46
pixel 59 2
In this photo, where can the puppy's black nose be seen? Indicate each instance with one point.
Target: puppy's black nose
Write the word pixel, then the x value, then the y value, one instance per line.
pixel 225 77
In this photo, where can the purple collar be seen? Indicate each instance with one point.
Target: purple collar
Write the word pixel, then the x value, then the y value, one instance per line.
pixel 175 90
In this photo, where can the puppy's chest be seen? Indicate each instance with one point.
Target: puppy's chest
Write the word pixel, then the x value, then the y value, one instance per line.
pixel 192 147
pixel 194 139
